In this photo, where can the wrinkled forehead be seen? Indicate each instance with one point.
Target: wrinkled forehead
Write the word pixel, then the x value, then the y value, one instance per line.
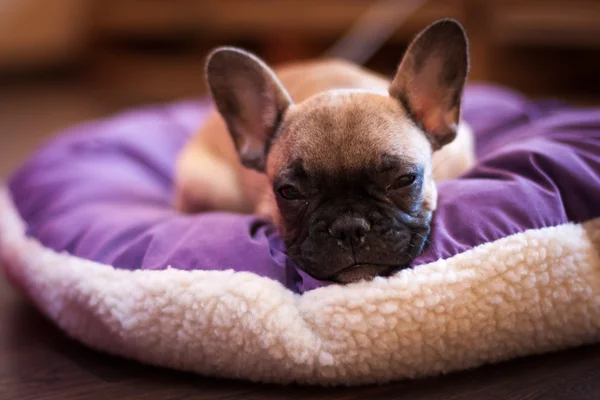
pixel 351 131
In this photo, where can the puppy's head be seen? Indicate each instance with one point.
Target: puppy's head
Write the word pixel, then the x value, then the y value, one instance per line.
pixel 350 170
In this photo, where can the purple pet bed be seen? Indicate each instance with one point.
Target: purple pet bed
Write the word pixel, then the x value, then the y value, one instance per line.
pixel 512 268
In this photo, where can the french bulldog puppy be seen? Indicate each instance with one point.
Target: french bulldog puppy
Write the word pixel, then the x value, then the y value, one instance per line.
pixel 340 159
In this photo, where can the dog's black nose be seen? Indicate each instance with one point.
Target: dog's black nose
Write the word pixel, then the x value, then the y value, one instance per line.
pixel 349 229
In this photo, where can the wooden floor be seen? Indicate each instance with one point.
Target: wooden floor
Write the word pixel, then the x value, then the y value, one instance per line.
pixel 38 362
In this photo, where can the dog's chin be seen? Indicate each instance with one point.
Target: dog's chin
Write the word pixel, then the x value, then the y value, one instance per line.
pixel 361 272
pixel 353 273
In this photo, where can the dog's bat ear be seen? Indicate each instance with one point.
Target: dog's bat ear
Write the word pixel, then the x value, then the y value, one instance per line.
pixel 250 98
pixel 431 77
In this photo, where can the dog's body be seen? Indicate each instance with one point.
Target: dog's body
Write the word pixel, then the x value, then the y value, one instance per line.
pixel 320 146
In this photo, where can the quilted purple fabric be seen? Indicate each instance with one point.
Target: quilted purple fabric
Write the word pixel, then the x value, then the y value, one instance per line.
pixel 102 191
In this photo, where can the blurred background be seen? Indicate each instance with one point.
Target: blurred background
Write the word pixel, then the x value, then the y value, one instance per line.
pixel 64 61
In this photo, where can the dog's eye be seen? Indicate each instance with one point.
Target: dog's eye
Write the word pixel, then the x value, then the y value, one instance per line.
pixel 289 192
pixel 404 181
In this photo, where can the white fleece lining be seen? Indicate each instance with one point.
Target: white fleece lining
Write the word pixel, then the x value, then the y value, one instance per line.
pixel 531 292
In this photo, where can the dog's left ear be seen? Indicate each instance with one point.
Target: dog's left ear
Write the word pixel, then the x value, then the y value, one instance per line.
pixel 251 100
pixel 431 77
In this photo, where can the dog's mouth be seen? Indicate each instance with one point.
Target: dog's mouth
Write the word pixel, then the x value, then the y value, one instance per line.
pixel 366 270
pixel 356 266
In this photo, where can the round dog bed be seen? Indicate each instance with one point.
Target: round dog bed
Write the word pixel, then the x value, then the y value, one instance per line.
pixel 512 266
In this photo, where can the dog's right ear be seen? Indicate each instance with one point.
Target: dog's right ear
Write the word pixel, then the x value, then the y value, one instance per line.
pixel 250 98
